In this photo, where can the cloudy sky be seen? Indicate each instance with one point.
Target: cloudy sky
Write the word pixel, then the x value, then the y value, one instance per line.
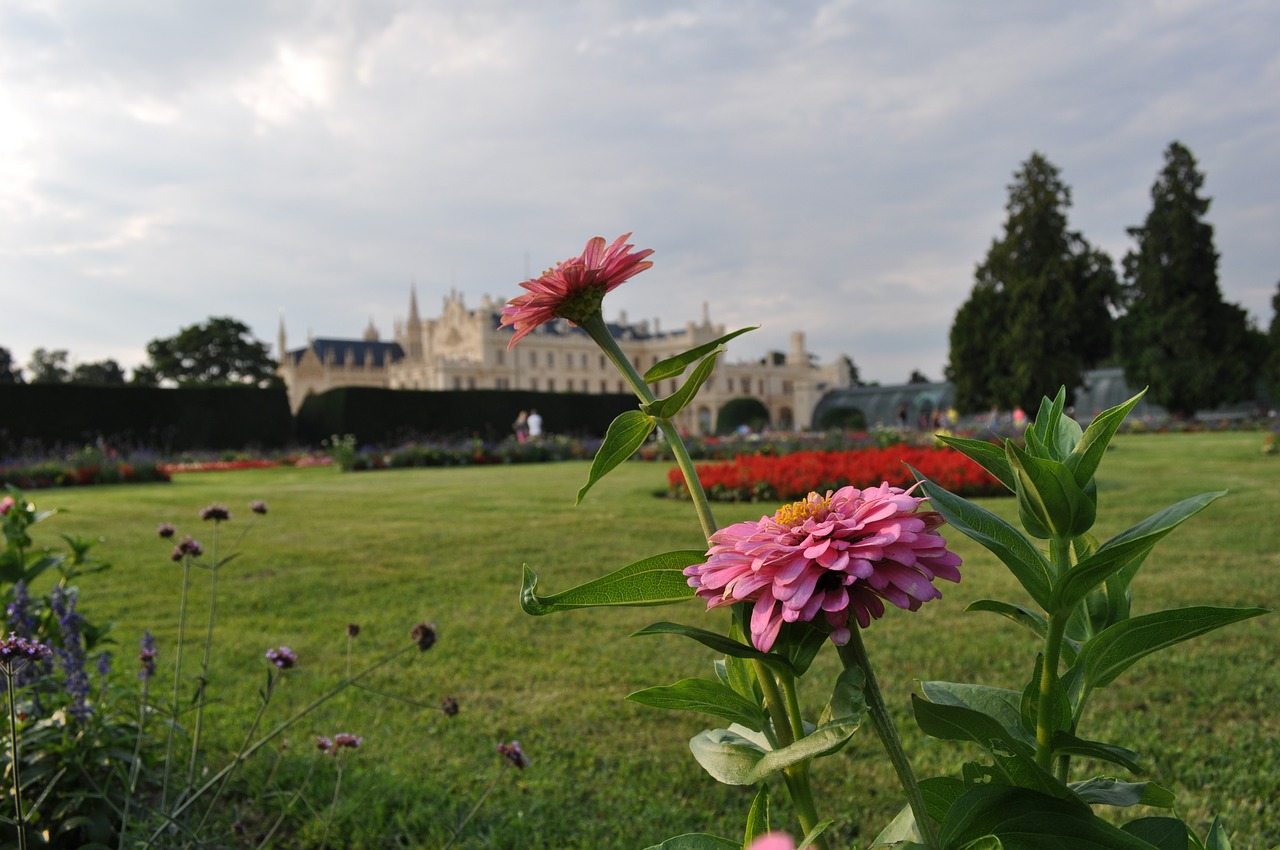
pixel 838 167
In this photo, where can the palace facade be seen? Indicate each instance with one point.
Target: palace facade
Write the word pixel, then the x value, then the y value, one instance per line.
pixel 466 348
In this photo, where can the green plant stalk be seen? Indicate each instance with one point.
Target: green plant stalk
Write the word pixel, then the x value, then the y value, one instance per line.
pixel 204 662
pixel 248 736
pixel 480 802
pixel 797 780
pixel 775 703
pixel 18 820
pixel 1060 557
pixel 270 736
pixel 177 682
pixel 596 329
pixel 135 766
pixel 854 654
pixel 333 805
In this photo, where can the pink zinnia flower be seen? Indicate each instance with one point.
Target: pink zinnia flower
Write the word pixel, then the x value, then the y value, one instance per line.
pixel 835 554
pixel 773 841
pixel 6 505
pixel 574 288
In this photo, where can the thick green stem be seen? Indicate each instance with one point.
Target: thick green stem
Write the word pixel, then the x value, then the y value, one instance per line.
pixel 1060 557
pixel 854 654
pixel 775 703
pixel 797 779
pixel 599 332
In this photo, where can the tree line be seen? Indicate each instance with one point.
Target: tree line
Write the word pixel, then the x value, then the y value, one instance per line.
pixel 1046 305
pixel 218 352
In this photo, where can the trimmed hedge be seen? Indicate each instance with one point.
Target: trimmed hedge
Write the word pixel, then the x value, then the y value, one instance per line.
pixel 382 416
pixel 47 416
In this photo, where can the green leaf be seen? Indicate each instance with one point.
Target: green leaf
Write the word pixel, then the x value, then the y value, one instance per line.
pixel 1217 837
pixel 813 834
pixel 1120 552
pixel 666 408
pixel 802 641
pixel 1087 455
pixel 847 700
pixel 696 841
pixel 940 794
pixel 720 643
pixel 1025 820
pixel 989 456
pixel 1067 744
pixel 705 696
pixel 673 366
pixel 658 580
pixel 1024 560
pixel 1034 621
pixel 986 842
pixel 740 756
pixel 626 434
pixel 1163 833
pixel 1104 791
pixel 1050 502
pixel 901 830
pixel 1000 704
pixel 1118 647
pixel 1059 704
pixel 758 816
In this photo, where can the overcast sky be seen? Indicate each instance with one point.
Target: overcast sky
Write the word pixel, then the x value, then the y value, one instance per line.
pixel 834 167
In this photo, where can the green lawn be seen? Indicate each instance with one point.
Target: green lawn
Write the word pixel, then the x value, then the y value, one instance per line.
pixel 388 549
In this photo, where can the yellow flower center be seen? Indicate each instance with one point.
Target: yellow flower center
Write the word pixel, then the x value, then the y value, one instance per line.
pixel 796 513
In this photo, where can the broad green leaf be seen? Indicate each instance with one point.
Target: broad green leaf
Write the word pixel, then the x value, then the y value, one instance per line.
pixel 1067 744
pixel 666 408
pixel 757 816
pixel 720 643
pixel 1118 647
pixel 1103 791
pixel 696 841
pixel 813 834
pixel 1050 502
pixel 847 700
pixel 740 756
pixel 1034 621
pixel 739 674
pixel 1000 704
pixel 1217 837
pixel 940 794
pixel 658 580
pixel 802 642
pixel 673 366
pixel 1023 559
pixel 1053 435
pixel 989 456
pixel 1120 552
pixel 1025 820
pixel 1163 833
pixel 1087 455
pixel 626 434
pixel 900 830
pixel 705 696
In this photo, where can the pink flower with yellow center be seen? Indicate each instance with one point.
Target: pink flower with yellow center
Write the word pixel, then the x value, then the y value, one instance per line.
pixel 575 288
pixel 846 552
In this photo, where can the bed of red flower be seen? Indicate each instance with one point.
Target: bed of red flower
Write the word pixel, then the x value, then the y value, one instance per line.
pixel 762 478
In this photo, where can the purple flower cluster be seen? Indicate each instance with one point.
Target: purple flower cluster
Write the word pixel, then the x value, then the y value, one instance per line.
pixel 187 546
pixel 449 706
pixel 147 656
pixel 258 507
pixel 512 753
pixel 166 530
pixel 424 635
pixel 342 740
pixel 283 657
pixel 215 512
pixel 71 655
pixel 21 619
pixel 15 651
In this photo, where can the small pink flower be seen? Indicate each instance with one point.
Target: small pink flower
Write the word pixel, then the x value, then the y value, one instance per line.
pixel 773 841
pixel 6 505
pixel 842 553
pixel 574 288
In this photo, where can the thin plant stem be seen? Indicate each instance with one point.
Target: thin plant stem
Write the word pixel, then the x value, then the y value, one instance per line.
pixel 797 780
pixel 333 804
pixel 18 819
pixel 248 736
pixel 271 735
pixel 854 654
pixel 204 661
pixel 135 766
pixel 177 682
pixel 289 805
pixel 480 802
pixel 775 703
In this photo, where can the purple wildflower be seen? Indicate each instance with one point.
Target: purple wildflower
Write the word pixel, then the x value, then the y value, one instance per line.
pixel 424 635
pixel 187 546
pixel 21 619
pixel 353 629
pixel 166 530
pixel 346 739
pixel 104 664
pixel 283 657
pixel 215 512
pixel 512 753
pixel 324 744
pixel 71 655
pixel 258 507
pixel 449 706
pixel 147 656
pixel 17 652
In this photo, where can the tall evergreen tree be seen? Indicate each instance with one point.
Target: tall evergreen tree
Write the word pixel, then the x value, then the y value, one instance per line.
pixel 10 373
pixel 1271 375
pixel 1040 310
pixel 1177 336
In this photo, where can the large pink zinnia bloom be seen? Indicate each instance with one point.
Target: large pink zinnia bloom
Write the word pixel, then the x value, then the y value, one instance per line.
pixel 574 288
pixel 835 554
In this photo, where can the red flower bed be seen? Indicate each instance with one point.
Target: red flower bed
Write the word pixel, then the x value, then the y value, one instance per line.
pixel 750 478
pixel 216 465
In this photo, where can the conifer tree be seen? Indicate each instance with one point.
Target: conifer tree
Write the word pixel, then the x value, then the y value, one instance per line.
pixel 1039 314
pixel 1177 336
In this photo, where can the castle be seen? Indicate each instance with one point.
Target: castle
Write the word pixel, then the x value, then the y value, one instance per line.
pixel 467 349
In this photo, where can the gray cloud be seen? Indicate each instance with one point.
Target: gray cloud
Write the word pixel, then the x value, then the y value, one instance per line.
pixel 834 167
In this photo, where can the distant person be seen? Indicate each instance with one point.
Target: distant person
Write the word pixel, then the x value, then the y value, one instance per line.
pixel 902 417
pixel 535 424
pixel 521 427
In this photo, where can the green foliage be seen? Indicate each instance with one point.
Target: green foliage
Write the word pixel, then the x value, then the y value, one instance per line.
pixel 1177 336
pixel 1271 371
pixel 1039 314
pixel 737 412
pixel 102 372
pixel 49 367
pixel 10 372
pixel 217 352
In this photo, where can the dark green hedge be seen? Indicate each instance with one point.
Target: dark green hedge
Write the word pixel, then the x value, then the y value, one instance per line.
pixel 47 416
pixel 382 416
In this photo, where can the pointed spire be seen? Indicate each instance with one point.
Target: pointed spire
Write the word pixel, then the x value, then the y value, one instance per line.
pixel 280 337
pixel 414 320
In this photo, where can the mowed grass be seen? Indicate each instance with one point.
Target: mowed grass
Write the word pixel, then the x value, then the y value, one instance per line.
pixel 389 549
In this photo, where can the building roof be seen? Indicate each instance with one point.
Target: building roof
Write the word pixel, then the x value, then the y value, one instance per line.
pixel 350 352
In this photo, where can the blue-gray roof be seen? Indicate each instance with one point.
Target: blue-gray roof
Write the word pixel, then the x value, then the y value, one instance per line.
pixel 362 352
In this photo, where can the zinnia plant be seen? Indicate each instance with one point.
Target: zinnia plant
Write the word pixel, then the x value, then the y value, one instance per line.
pixel 818 571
